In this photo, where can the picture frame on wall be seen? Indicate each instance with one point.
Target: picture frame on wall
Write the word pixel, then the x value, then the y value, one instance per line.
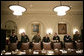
pixel 35 28
pixel 62 28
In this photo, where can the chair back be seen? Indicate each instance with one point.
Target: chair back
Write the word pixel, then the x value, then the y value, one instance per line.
pixel 37 46
pixel 69 45
pixel 47 46
pixel 57 45
pixel 25 46
pixel 12 46
pixel 79 45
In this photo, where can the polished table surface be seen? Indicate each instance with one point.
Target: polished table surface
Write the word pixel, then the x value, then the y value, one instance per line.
pixel 45 52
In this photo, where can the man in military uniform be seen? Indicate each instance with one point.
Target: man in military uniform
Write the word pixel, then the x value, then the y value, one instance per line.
pixel 13 38
pixel 46 38
pixel 24 38
pixel 67 38
pixel 77 37
pixel 56 38
pixel 37 38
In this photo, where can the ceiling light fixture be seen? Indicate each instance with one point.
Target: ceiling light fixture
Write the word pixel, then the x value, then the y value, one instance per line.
pixel 61 10
pixel 17 9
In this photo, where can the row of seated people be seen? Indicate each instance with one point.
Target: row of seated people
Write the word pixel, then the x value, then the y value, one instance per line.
pixel 37 39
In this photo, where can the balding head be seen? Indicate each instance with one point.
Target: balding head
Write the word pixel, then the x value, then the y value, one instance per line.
pixel 55 34
pixel 76 32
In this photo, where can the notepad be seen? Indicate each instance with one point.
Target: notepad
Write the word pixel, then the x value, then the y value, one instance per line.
pixel 79 51
pixel 43 51
pixel 64 51
pixel 8 53
pixel 35 52
pixel 22 53
pixel 50 52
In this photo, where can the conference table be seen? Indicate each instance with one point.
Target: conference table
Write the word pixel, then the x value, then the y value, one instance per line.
pixel 44 52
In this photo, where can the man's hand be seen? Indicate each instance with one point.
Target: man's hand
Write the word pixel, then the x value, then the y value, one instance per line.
pixel 57 41
pixel 75 41
pixel 67 39
pixel 78 40
pixel 32 42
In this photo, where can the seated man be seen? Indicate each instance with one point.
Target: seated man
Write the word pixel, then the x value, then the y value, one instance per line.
pixel 67 38
pixel 13 38
pixel 77 37
pixel 37 38
pixel 56 38
pixel 46 38
pixel 24 38
pixel 13 41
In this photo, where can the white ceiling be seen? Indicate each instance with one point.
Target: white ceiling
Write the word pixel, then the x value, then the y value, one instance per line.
pixel 42 6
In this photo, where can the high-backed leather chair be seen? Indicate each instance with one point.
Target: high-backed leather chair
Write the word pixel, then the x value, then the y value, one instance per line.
pixel 47 46
pixel 25 46
pixel 12 46
pixel 69 45
pixel 36 46
pixel 79 45
pixel 57 45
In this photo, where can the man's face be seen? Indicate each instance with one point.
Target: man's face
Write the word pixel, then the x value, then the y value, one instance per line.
pixel 23 34
pixel 76 32
pixel 66 34
pixel 55 34
pixel 38 33
pixel 46 35
pixel 14 34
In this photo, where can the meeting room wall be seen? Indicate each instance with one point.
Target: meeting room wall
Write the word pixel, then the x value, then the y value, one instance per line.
pixel 46 21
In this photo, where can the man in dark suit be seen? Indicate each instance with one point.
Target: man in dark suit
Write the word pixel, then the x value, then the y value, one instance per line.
pixel 24 38
pixel 67 38
pixel 37 37
pixel 13 38
pixel 46 38
pixel 56 38
pixel 77 37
